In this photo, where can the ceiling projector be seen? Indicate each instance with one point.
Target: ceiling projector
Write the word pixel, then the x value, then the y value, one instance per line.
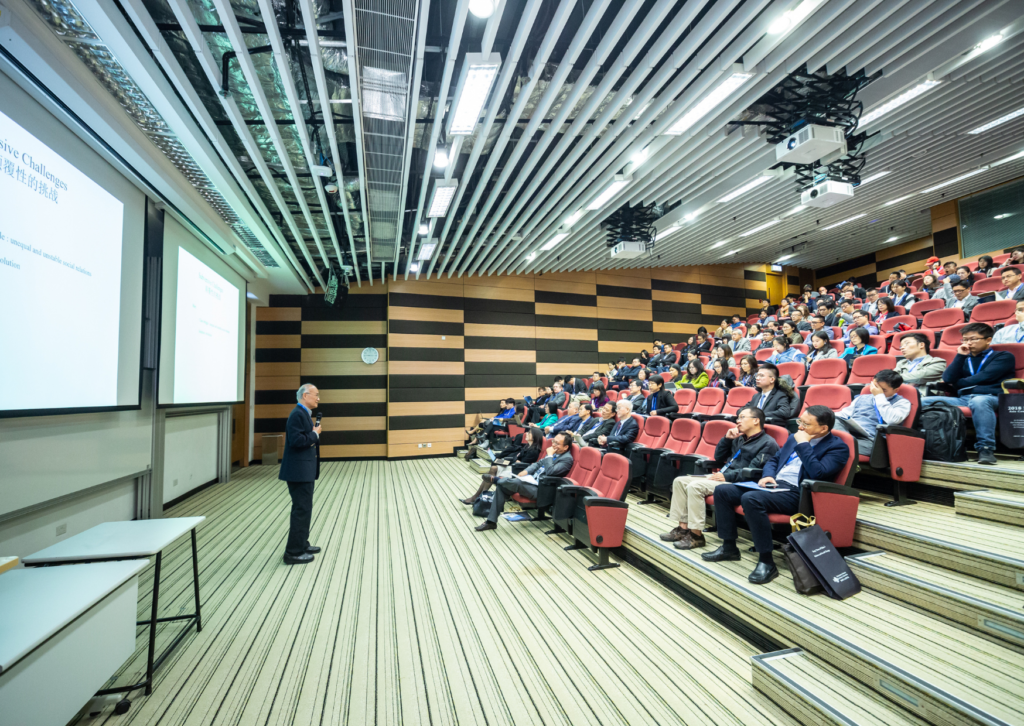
pixel 827 193
pixel 628 250
pixel 811 143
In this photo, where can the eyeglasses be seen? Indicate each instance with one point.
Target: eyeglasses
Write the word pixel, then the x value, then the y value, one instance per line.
pixel 970 340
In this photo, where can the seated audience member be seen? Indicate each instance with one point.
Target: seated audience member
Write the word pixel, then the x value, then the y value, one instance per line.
pixel 568 422
pixel 721 376
pixel 558 462
pixel 767 338
pixel 1012 333
pixel 525 454
pixel 884 407
pixel 948 269
pixel 660 402
pixel 596 378
pixel 784 352
pixel 886 310
pixel 845 315
pixel 789 331
pixel 723 330
pixel 986 265
pixel 976 374
pixel 930 284
pixel 773 396
pixel 784 311
pixel 811 453
pixel 699 344
pixel 1011 281
pixel 860 321
pixel 858 346
pixel 818 325
pixel 819 348
pixel 823 291
pixel 917 367
pixel 808 294
pixel 744 446
pixel 645 357
pixel 799 319
pixel 738 342
pixel 598 397
pixel 900 295
pixel 737 322
pixel 763 317
pixel 628 374
pixel 962 297
pixel 551 416
pixel 655 360
pixel 831 316
pixel 871 302
pixel 506 409
pixel 668 357
pixel 748 371
pixel 599 421
pixel 1016 258
pixel 695 376
pixel 754 333
pixel 617 373
pixel 642 377
pixel 558 396
pixel 724 352
pixel 574 385
pixel 625 430
pixel 636 394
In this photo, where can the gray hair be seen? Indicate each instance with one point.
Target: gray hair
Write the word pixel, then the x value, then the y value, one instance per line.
pixel 302 391
pixel 628 405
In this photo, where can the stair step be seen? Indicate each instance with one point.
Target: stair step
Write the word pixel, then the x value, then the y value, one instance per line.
pixel 968 475
pixel 983 606
pixel 999 506
pixel 815 693
pixel 933 533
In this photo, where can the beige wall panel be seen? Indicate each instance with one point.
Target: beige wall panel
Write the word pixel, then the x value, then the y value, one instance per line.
pixel 499 331
pixel 567 333
pixel 277 383
pixel 426 408
pixel 377 288
pixel 473 419
pixel 359 395
pixel 417 436
pixel 756 285
pixel 433 315
pixel 277 369
pixel 338 354
pixel 355 423
pixel 676 274
pixel 752 303
pixel 547 284
pixel 724 311
pixel 901 249
pixel 344 327
pixel 397 451
pixel 679 297
pixel 560 369
pixel 403 340
pixel 617 346
pixel 342 368
pixel 494 394
pixel 570 311
pixel 636 279
pixel 273 410
pixel 498 293
pixel 415 368
pixel 500 356
pixel 364 451
pixel 521 282
pixel 586 276
pixel 427 287
pixel 286 314
pixel 278 341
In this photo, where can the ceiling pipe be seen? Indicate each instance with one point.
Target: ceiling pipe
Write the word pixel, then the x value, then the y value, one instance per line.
pixel 320 79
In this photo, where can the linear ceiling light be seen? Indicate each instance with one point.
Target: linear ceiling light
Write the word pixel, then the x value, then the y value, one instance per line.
pixel 844 221
pixel 712 100
pixel 478 74
pixel 716 245
pixel 621 182
pixel 1008 159
pixel 736 193
pixel 990 42
pixel 531 257
pixel 998 122
pixel 954 180
pixel 873 177
pixel 792 18
pixel 424 229
pixel 761 227
pixel 562 233
pixel 892 104
pixel 898 200
pixel 671 229
pixel 574 217
pixel 441 158
pixel 427 250
pixel 785 257
pixel 444 192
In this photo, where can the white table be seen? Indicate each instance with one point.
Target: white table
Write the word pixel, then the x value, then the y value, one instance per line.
pixel 63 632
pixel 128 541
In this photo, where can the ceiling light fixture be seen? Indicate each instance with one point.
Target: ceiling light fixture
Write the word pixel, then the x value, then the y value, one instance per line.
pixel 414 267
pixel 574 217
pixel 1008 159
pixel 998 122
pixel 427 250
pixel 478 74
pixel 671 229
pixel 873 177
pixel 752 184
pixel 892 239
pixel 713 99
pixel 732 252
pixel 784 258
pixel 791 18
pixel 531 257
pixel 955 179
pixel 892 104
pixel 690 217
pixel 761 227
pixel 844 221
pixel 639 157
pixel 424 229
pixel 990 42
pixel 716 245
pixel 444 192
pixel 562 233
pixel 620 182
pixel 1002 216
pixel 441 158
pixel 898 200
pixel 795 210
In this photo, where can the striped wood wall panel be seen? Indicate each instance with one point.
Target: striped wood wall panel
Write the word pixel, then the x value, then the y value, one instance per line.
pixel 299 340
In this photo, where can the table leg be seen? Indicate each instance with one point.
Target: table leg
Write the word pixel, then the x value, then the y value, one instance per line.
pixel 152 625
pixel 195 580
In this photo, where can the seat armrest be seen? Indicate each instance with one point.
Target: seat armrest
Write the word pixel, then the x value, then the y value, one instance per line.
pixel 579 491
pixel 829 487
pixel 855 389
pixel 640 448
pixel 674 456
pixel 599 501
pixel 721 417
pixel 706 464
pixel 751 474
pixel 901 431
pixel 690 457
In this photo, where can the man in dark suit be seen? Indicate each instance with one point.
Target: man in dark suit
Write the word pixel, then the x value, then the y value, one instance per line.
pixel 600 424
pixel 624 432
pixel 811 453
pixel 558 462
pixel 300 467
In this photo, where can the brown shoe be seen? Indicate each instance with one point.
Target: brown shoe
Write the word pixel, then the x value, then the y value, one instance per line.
pixel 683 543
pixel 692 542
pixel 674 535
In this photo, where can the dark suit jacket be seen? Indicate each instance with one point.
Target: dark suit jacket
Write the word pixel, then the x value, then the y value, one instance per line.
pixel 603 428
pixel 822 462
pixel 627 433
pixel 778 408
pixel 663 402
pixel 301 458
pixel 553 465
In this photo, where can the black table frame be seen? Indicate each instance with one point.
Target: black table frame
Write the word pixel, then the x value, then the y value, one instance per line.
pixel 152 662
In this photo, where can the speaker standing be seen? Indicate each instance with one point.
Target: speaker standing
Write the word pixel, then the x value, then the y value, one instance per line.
pixel 300 467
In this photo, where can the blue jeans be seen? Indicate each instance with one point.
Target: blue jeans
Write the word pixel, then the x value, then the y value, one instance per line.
pixel 983 414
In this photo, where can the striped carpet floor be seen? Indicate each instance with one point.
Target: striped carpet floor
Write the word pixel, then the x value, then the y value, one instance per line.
pixel 411 617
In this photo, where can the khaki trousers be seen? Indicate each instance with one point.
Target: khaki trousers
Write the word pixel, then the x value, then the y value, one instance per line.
pixel 688 494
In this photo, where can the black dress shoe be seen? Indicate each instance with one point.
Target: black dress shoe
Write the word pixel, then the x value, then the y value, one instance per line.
pixel 486 526
pixel 985 456
pixel 312 550
pixel 763 573
pixel 721 555
pixel 298 559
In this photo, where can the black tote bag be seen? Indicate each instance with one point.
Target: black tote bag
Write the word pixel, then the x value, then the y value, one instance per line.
pixel 825 562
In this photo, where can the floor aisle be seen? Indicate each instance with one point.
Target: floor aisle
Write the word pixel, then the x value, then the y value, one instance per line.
pixel 411 617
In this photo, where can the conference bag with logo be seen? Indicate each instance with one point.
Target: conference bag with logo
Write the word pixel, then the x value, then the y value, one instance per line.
pixel 1011 415
pixel 825 562
pixel 803 579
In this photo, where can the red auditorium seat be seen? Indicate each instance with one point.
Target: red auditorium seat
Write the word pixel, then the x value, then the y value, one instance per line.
pixel 802 347
pixel 972 266
pixel 612 394
pixel 828 370
pixel 947 354
pixel 735 370
pixel 514 430
pixel 899 449
pixel 585 469
pixel 987 286
pixel 834 396
pixel 1000 259
pixel 950 337
pixel 709 401
pixel 778 433
pixel 865 368
pixel 1000 311
pixel 711 434
pixel 878 341
pixel 894 344
pixel 600 516
pixel 736 399
pixel 653 434
pixel 927 306
pixel 764 354
pixel 838 345
pixel 1018 353
pixel 686 399
pixel 939 320
pixel 683 438
pixel 668 376
pixel 890 323
pixel 796 371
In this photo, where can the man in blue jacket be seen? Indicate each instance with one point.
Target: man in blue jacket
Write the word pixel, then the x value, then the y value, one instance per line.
pixel 300 467
pixel 976 373
pixel 811 453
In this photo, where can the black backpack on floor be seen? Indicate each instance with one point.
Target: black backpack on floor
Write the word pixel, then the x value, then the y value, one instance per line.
pixel 945 430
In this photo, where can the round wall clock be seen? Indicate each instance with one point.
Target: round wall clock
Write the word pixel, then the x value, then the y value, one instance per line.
pixel 370 356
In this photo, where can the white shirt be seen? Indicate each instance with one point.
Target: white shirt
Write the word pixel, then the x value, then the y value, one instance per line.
pixel 1009 334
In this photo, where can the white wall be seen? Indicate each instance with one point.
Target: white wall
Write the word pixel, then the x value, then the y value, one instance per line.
pixel 190 453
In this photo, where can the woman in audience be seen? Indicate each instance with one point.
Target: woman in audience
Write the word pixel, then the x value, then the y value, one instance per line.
pixel 641 378
pixel 724 352
pixel 722 331
pixel 986 266
pixel 721 376
pixel 901 295
pixel 820 348
pixel 695 377
pixel 886 309
pixel 784 310
pixel 1016 258
pixel 598 397
pixel 527 453
pixel 789 331
pixel 754 334
pixel 931 285
pixel 551 418
pixel 858 346
pixel 784 352
pixel 748 371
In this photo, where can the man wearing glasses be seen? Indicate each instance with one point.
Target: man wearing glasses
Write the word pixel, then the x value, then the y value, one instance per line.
pixel 976 374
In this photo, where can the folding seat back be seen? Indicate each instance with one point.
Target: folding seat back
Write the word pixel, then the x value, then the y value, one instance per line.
pixel 894 344
pixel 878 341
pixel 927 306
pixel 1000 259
pixel 972 266
pixel 833 396
pixel 586 465
pixel 683 436
pixel 764 354
pixel 654 433
pixel 827 370
pixel 710 401
pixel 612 394
pixel 837 332
pixel 802 347
pixel 796 371
pixel 686 399
pixel 613 478
pixel 919 295
pixel 735 370
pixel 1000 311
pixel 865 368
pixel 890 323
pixel 740 397
pixel 947 354
pixel 986 286
pixel 942 319
pixel 1018 353
pixel 710 436
pixel 836 512
pixel 778 433
pixel 951 336
pixel 668 376
pixel 838 345
pixel 600 521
